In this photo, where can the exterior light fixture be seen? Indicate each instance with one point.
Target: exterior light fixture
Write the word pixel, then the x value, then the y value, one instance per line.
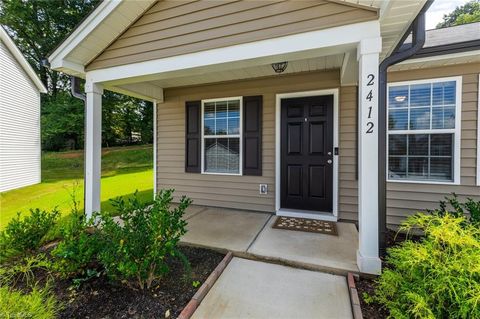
pixel 279 67
pixel 400 98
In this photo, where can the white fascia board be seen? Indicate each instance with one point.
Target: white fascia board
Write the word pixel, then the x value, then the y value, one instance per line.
pixel 21 60
pixel 473 53
pixel 68 67
pixel 281 46
pixel 83 30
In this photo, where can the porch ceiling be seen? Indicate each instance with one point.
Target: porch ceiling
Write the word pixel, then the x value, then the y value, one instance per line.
pixel 304 65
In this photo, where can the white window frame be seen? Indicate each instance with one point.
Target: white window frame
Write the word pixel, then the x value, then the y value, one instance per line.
pixel 457 131
pixel 240 162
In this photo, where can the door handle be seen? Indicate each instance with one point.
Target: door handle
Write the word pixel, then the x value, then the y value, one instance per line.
pixel 329 161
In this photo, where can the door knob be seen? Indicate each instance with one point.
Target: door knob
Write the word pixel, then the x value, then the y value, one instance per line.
pixel 329 161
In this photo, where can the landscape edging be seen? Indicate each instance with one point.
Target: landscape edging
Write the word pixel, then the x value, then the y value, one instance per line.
pixel 354 299
pixel 193 304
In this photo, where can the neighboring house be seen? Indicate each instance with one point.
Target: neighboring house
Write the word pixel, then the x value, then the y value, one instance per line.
pixel 307 128
pixel 20 146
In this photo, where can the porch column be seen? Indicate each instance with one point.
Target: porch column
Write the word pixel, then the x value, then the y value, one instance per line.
pixel 368 260
pixel 93 147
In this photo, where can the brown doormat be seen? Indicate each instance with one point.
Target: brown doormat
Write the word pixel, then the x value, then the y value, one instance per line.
pixel 307 225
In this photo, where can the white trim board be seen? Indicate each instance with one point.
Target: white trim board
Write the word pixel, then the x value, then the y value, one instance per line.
pixel 457 131
pixel 299 213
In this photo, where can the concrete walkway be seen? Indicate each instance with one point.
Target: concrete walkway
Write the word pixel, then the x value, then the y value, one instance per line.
pixel 250 235
pixel 253 289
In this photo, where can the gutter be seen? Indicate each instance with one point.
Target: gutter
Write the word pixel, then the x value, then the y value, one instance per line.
pixel 399 54
pixel 76 92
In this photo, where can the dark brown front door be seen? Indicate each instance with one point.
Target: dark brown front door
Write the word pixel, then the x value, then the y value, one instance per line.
pixel 306 153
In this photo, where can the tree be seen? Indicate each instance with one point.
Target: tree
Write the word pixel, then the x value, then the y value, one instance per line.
pixel 468 13
pixel 62 122
pixel 37 27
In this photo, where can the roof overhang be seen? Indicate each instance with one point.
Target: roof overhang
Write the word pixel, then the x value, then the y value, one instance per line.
pixel 111 18
pixel 21 60
pixel 106 22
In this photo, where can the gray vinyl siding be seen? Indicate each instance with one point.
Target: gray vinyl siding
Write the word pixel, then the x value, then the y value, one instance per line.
pixel 404 199
pixel 222 190
pixel 19 125
pixel 171 28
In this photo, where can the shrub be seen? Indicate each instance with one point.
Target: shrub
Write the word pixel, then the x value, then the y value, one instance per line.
pixel 78 247
pixel 26 234
pixel 437 277
pixel 138 249
pixel 469 209
pixel 38 304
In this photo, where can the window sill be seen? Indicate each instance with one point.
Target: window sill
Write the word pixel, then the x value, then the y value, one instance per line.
pixel 226 174
pixel 421 182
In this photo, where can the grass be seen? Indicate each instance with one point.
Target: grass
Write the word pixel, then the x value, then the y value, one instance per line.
pixel 124 170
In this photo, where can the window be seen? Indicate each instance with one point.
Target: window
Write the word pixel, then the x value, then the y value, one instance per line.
pixel 424 130
pixel 222 135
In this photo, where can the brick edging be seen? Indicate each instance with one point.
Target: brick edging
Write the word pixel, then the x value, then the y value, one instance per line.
pixel 354 300
pixel 193 304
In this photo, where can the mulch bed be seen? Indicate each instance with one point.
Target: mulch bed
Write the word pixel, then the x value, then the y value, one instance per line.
pixel 367 284
pixel 101 298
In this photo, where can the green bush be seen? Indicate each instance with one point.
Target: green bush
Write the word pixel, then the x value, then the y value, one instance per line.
pixel 23 235
pixel 138 249
pixel 437 277
pixel 78 248
pixel 38 304
pixel 469 209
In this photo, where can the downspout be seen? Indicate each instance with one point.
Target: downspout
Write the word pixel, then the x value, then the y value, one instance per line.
pixel 77 93
pixel 417 28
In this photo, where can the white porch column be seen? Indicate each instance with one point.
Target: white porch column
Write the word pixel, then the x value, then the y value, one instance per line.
pixel 93 147
pixel 368 260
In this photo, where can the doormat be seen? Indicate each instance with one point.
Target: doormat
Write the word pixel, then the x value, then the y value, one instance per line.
pixel 307 225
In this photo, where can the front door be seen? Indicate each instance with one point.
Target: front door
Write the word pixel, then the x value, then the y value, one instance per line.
pixel 307 153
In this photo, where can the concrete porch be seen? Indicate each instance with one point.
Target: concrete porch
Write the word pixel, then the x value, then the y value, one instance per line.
pixel 250 235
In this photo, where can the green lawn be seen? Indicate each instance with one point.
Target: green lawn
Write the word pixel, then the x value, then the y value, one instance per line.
pixel 124 170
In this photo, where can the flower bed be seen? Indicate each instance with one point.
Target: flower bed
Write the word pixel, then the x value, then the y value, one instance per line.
pixel 99 297
pixel 126 267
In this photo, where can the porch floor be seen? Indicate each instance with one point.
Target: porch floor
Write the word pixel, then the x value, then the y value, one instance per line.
pixel 250 235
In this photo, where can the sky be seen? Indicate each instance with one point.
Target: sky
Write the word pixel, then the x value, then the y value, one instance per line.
pixel 438 9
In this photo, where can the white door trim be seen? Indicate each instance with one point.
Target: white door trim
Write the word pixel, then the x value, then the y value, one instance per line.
pixel 301 213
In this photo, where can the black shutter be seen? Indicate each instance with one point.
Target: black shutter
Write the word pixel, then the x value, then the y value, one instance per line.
pixel 193 136
pixel 252 135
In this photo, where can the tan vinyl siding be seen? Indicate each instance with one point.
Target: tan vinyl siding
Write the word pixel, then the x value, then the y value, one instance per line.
pixel 406 198
pixel 348 191
pixel 172 28
pixel 221 190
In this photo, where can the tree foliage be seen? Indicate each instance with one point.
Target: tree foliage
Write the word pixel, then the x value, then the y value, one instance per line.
pixel 37 27
pixel 468 13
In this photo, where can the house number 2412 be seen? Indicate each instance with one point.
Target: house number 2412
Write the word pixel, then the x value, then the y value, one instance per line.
pixel 370 82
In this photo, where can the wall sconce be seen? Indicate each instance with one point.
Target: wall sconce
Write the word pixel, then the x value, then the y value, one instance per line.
pixel 279 67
